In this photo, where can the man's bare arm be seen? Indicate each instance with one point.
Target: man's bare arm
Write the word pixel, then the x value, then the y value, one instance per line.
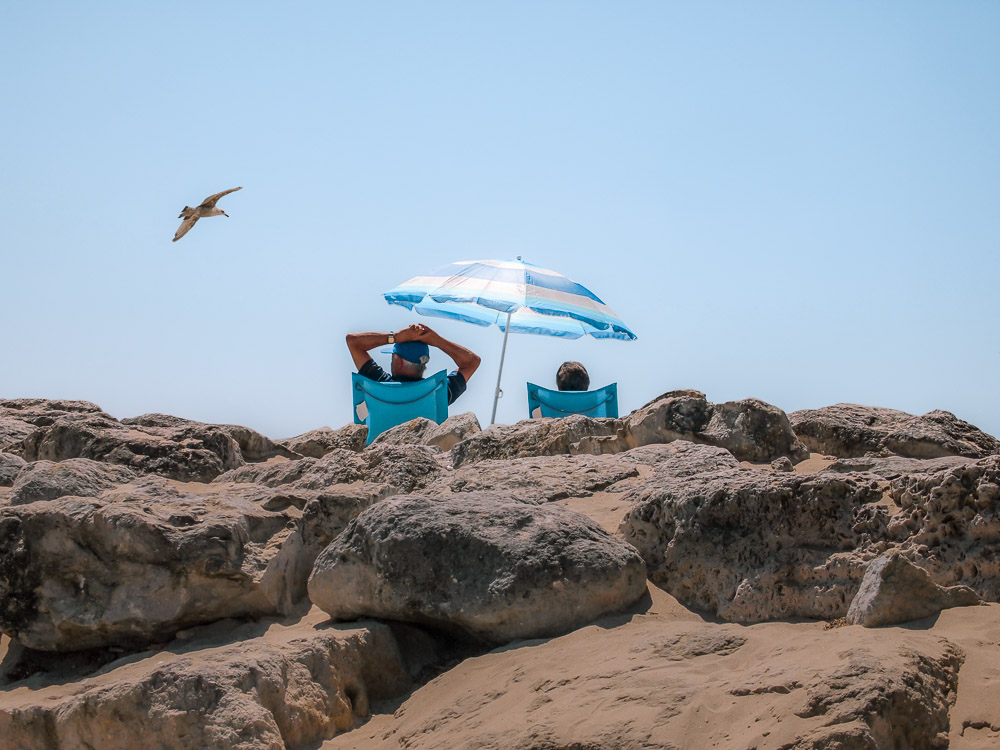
pixel 362 343
pixel 466 361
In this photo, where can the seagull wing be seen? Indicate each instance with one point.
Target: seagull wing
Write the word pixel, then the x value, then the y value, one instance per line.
pixel 211 200
pixel 185 227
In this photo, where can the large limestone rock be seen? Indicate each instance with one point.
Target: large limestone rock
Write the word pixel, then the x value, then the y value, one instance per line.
pixel 47 480
pixel 187 455
pixel 253 446
pixel 894 467
pixel 136 564
pixel 851 430
pixel 749 429
pixel 263 691
pixel 10 467
pixel 453 564
pixel 317 443
pixel 20 417
pixel 402 467
pixel 421 431
pixel 753 545
pixel 949 524
pixel 895 590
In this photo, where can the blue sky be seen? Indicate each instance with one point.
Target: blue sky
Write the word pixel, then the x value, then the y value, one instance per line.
pixel 785 200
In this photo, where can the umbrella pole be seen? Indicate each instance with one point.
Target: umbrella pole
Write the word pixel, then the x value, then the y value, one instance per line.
pixel 503 353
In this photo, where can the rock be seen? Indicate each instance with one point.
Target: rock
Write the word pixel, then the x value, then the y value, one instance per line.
pixel 12 432
pixel 41 412
pixel 136 564
pixel 782 464
pixel 949 523
pixel 47 480
pixel 895 590
pixel 750 429
pixel 753 431
pixel 317 443
pixel 253 446
pixel 541 437
pixel 450 565
pixel 403 467
pixel 893 467
pixel 255 693
pixel 421 431
pixel 751 546
pixel 852 431
pixel 10 467
pixel 187 455
pixel 543 479
pixel 656 683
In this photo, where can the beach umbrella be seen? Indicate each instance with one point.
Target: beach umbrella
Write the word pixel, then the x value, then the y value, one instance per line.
pixel 513 295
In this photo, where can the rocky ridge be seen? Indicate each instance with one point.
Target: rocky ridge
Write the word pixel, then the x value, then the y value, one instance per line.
pixel 117 536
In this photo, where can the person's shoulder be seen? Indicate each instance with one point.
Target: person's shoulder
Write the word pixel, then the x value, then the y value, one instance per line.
pixel 372 371
pixel 456 385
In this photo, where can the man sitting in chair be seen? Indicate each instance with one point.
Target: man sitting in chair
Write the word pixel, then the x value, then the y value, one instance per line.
pixel 572 376
pixel 410 354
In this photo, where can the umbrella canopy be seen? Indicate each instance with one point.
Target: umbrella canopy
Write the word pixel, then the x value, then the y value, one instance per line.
pixel 513 295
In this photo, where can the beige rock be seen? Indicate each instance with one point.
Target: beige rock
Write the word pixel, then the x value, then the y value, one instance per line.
pixel 279 688
pixel 421 431
pixel 895 590
pixel 479 565
pixel 317 443
pixel 47 480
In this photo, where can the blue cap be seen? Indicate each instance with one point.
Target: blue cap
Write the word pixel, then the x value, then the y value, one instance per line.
pixel 416 352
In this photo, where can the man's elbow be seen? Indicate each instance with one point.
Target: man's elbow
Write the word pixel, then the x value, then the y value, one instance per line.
pixel 472 365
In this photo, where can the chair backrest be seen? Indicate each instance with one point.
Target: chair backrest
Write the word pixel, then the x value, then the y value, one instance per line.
pixel 385 405
pixel 545 403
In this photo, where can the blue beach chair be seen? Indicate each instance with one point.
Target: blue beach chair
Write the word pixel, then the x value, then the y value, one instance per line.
pixel 385 405
pixel 545 403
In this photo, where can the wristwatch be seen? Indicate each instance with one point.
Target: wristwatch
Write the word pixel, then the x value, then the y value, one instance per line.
pixel 392 339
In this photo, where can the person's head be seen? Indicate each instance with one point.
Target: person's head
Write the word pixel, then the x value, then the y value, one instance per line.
pixel 572 376
pixel 409 360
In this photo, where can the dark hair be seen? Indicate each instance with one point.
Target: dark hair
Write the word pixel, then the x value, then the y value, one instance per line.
pixel 572 376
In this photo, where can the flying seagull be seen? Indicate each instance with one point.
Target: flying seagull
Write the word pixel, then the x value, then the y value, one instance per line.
pixel 207 208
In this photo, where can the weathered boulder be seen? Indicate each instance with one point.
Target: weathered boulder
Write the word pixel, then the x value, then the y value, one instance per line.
pixel 751 545
pixel 949 524
pixel 542 479
pixel 895 590
pixel 47 480
pixel 851 430
pixel 317 443
pixel 256 693
pixel 403 467
pixel 253 446
pixel 453 564
pixel 21 416
pixel 749 429
pixel 188 455
pixel 542 437
pixel 893 467
pixel 421 431
pixel 136 564
pixel 10 467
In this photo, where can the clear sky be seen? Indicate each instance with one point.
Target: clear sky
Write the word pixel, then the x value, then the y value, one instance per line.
pixel 795 201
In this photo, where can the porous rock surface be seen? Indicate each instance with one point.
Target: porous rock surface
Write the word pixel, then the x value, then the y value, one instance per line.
pixel 453 564
pixel 895 590
pixel 233 527
pixel 317 443
pixel 260 692
pixel 852 430
pixel 421 431
pixel 48 480
pixel 749 429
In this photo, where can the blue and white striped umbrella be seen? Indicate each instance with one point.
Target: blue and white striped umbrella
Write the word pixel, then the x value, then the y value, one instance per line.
pixel 513 295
